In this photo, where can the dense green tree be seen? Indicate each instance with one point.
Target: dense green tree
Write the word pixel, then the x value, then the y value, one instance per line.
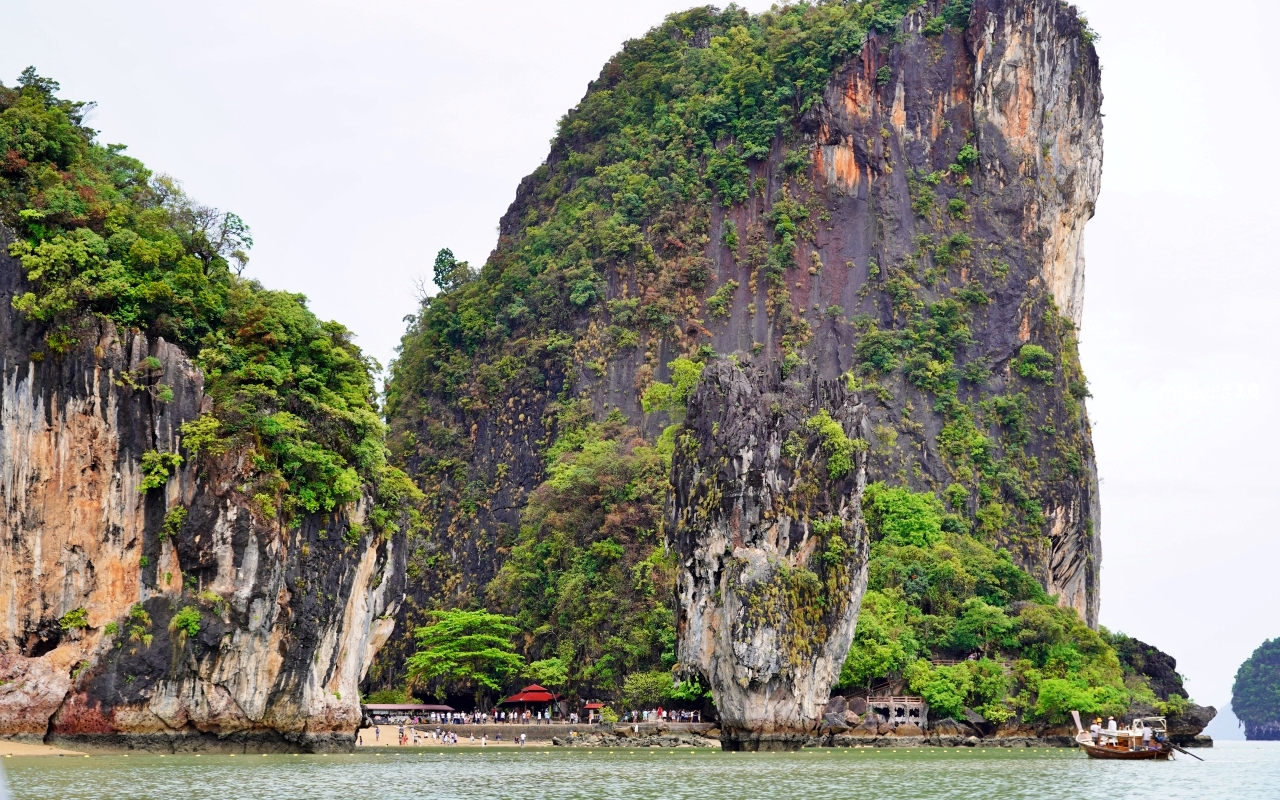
pixel 449 273
pixel 465 649
pixel 936 594
pixel 549 672
pixel 641 690
pixel 390 696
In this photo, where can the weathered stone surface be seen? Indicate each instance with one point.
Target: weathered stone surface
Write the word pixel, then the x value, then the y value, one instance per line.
pixel 1186 729
pixel 1024 84
pixel 834 723
pixel 951 727
pixel 772 550
pixel 1021 78
pixel 290 619
pixel 1023 81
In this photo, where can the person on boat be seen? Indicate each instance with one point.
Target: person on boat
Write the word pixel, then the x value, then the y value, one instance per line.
pixel 1146 736
pixel 1111 730
pixel 1095 730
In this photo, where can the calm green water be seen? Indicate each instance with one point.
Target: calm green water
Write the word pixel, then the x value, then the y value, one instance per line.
pixel 1233 770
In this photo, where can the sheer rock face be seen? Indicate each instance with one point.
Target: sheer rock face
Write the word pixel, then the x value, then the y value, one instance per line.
pixel 1023 88
pixel 1022 85
pixel 290 619
pixel 772 549
pixel 1035 87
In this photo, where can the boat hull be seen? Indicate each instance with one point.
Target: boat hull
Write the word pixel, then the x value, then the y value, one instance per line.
pixel 1123 754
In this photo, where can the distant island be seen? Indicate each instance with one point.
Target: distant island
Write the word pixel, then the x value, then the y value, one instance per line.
pixel 1255 695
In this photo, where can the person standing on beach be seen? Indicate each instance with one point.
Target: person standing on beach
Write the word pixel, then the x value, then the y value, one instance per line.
pixel 522 740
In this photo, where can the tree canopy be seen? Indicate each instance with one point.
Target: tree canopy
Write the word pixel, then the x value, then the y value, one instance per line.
pixel 101 235
pixel 465 649
pixel 935 594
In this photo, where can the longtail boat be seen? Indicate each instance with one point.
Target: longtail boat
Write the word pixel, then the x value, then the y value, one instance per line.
pixel 1126 744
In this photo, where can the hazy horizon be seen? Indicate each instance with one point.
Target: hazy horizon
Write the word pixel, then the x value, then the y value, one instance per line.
pixel 357 139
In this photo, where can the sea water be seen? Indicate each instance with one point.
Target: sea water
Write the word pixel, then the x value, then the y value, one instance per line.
pixel 1236 770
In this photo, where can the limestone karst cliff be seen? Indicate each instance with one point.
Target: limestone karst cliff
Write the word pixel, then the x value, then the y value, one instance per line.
pixel 770 386
pixel 94 570
pixel 201 542
pixel 767 529
pixel 890 196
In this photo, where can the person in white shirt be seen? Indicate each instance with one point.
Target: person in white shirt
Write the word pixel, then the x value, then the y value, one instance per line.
pixel 1095 730
pixel 1111 730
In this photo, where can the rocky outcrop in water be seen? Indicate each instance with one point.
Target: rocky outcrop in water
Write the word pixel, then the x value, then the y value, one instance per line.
pixel 1019 85
pixel 177 618
pixel 767 526
pixel 1161 672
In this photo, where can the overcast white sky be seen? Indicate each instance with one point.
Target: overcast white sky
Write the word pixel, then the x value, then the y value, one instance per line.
pixel 358 138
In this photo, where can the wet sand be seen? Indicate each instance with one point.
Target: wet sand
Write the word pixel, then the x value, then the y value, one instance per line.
pixel 12 748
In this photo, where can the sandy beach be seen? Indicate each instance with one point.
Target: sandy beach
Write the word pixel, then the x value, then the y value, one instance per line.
pixel 389 736
pixel 12 748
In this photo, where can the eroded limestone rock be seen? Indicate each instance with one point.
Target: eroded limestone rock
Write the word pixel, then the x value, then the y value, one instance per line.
pixel 772 547
pixel 290 618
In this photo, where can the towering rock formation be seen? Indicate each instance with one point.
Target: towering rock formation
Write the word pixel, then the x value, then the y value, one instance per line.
pixel 127 624
pixel 772 548
pixel 897 241
pixel 1010 102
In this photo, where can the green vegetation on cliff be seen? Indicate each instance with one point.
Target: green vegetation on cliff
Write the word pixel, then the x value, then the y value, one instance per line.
pixel 686 179
pixel 608 255
pixel 1255 695
pixel 666 131
pixel 965 627
pixel 100 235
pixel 586 577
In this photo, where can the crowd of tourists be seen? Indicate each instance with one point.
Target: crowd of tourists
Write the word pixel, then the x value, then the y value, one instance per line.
pixel 524 717
pixel 407 735
pixel 660 714
pixel 529 717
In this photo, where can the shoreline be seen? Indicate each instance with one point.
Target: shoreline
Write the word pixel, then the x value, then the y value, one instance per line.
pixel 539 736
